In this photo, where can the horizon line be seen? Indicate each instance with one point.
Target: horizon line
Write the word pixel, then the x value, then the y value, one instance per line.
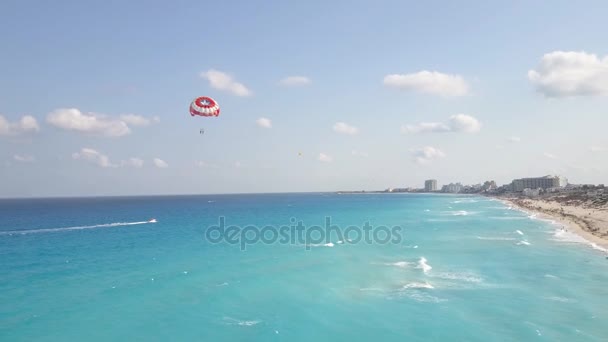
pixel 214 194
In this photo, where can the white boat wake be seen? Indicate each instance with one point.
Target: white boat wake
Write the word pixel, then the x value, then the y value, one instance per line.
pixel 64 229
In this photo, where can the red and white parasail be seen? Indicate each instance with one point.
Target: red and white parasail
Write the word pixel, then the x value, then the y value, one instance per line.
pixel 204 106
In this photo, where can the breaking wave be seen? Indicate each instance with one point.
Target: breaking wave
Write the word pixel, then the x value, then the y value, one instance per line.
pixel 232 321
pixel 418 286
pixel 566 236
pixel 422 264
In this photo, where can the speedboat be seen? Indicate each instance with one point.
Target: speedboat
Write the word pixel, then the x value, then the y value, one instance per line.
pixel 152 220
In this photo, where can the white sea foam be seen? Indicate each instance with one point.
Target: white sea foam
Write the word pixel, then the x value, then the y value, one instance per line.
pixel 523 242
pixel 501 208
pixel 495 238
pixel 402 264
pixel 566 236
pixel 416 291
pixel 222 284
pixel 599 248
pixel 232 321
pixel 374 289
pixel 422 264
pixel 550 276
pixel 64 229
pixel 440 220
pixel 418 286
pixel 466 277
pixel 519 232
pixel 425 297
pixel 248 323
pixel 427 210
pixel 562 235
pixel 329 244
pixel 465 201
pixel 459 213
pixel 559 299
pixel 340 242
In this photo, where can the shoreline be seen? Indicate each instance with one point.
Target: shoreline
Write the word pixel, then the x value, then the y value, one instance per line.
pixel 585 228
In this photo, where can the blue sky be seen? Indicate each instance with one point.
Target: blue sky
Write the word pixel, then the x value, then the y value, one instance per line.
pixel 389 94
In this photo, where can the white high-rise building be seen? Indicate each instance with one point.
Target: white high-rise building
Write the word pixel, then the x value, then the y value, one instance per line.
pixel 545 182
pixel 452 188
pixel 430 185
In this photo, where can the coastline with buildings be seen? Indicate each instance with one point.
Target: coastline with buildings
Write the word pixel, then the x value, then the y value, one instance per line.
pixel 581 209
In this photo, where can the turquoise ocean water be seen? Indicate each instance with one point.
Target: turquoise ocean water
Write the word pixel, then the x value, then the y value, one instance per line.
pixel 464 269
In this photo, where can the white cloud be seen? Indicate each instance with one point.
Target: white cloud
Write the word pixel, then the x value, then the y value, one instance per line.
pixel 138 120
pixel 133 162
pixel 425 127
pixel 464 123
pixel 344 128
pixel 563 74
pixel 426 154
pixel 597 149
pixel 359 153
pixel 292 81
pixel 264 122
pixel 73 119
pixel 460 123
pixel 26 124
pixel 514 139
pixel 431 82
pixel 549 155
pixel 222 81
pixel 325 158
pixel 237 164
pixel 24 158
pixel 161 164
pixel 92 156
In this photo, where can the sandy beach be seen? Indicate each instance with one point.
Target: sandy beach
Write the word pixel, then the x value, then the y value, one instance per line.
pixel 586 219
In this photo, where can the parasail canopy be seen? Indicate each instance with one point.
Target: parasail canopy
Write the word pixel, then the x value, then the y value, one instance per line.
pixel 204 106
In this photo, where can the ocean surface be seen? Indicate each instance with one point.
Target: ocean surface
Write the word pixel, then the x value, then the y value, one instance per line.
pixel 457 268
